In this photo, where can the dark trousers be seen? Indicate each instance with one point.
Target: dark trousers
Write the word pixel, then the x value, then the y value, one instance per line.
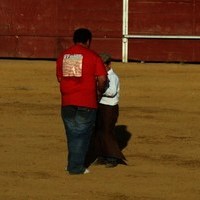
pixel 104 142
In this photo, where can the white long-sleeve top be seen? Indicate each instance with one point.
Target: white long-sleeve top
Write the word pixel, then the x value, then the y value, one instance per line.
pixel 111 95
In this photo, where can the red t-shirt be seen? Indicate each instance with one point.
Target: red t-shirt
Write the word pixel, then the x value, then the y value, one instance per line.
pixel 80 91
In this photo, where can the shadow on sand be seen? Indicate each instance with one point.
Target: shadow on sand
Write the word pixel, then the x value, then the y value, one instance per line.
pixel 122 136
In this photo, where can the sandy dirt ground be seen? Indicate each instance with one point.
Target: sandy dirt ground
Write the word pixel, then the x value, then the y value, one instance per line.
pixel 159 107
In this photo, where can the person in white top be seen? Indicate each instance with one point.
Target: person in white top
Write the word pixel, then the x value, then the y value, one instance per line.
pixel 111 95
pixel 106 145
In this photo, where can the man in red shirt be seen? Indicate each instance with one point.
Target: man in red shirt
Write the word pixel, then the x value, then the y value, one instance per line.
pixel 82 77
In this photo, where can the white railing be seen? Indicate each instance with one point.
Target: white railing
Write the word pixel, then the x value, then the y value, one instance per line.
pixel 126 36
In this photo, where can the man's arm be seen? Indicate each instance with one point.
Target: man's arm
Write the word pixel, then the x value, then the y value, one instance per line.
pixel 59 69
pixel 101 85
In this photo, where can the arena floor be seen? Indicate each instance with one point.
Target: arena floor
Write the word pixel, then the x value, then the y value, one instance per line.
pixel 159 119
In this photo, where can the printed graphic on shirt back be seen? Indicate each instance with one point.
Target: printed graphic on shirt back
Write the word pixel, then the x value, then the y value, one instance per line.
pixel 72 65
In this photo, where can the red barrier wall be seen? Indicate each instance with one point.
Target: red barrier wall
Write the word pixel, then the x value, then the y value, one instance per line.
pixel 42 29
pixel 163 17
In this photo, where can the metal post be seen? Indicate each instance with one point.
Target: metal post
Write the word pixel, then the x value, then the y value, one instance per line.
pixel 125 32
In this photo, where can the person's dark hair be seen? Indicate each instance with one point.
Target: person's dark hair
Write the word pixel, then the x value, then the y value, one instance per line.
pixel 106 58
pixel 82 35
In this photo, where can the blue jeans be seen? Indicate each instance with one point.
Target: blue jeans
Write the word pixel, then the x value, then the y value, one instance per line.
pixel 79 123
